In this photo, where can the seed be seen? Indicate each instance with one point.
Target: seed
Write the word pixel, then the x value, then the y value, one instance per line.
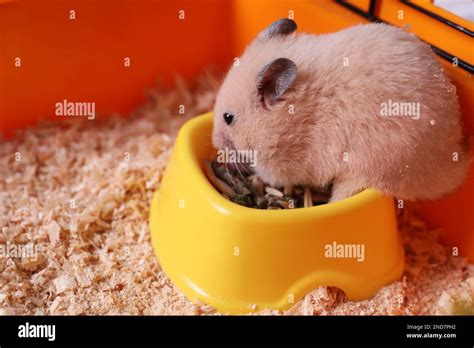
pixel 273 191
pixel 257 185
pixel 262 202
pixel 273 201
pixel 218 183
pixel 248 190
pixel 244 200
pixel 223 173
pixel 308 199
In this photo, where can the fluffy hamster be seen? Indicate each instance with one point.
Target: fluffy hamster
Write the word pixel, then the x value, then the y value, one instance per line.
pixel 312 109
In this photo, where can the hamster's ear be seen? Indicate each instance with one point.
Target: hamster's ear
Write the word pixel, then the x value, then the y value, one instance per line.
pixel 281 27
pixel 275 79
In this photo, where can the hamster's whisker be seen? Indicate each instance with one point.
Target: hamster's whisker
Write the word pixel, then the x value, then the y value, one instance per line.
pixel 247 170
pixel 227 170
pixel 240 173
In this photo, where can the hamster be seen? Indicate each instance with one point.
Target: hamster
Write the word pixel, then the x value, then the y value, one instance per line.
pixel 365 107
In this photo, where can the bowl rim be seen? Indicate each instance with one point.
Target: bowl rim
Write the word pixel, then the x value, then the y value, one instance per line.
pixel 215 198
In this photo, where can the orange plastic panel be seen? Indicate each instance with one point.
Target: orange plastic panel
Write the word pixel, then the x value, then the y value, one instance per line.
pixel 361 4
pixel 430 6
pixel 436 33
pixel 322 16
pixel 82 59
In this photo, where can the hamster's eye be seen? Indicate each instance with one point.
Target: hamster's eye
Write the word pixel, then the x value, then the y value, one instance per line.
pixel 228 118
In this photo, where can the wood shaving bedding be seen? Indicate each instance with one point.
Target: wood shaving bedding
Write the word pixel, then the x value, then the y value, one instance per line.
pixel 81 194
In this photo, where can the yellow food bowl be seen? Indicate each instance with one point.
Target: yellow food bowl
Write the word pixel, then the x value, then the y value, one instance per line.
pixel 241 259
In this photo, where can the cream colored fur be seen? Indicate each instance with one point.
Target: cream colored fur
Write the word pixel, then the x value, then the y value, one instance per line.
pixel 337 114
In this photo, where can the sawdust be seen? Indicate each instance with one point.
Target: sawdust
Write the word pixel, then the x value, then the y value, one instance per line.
pixel 79 193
